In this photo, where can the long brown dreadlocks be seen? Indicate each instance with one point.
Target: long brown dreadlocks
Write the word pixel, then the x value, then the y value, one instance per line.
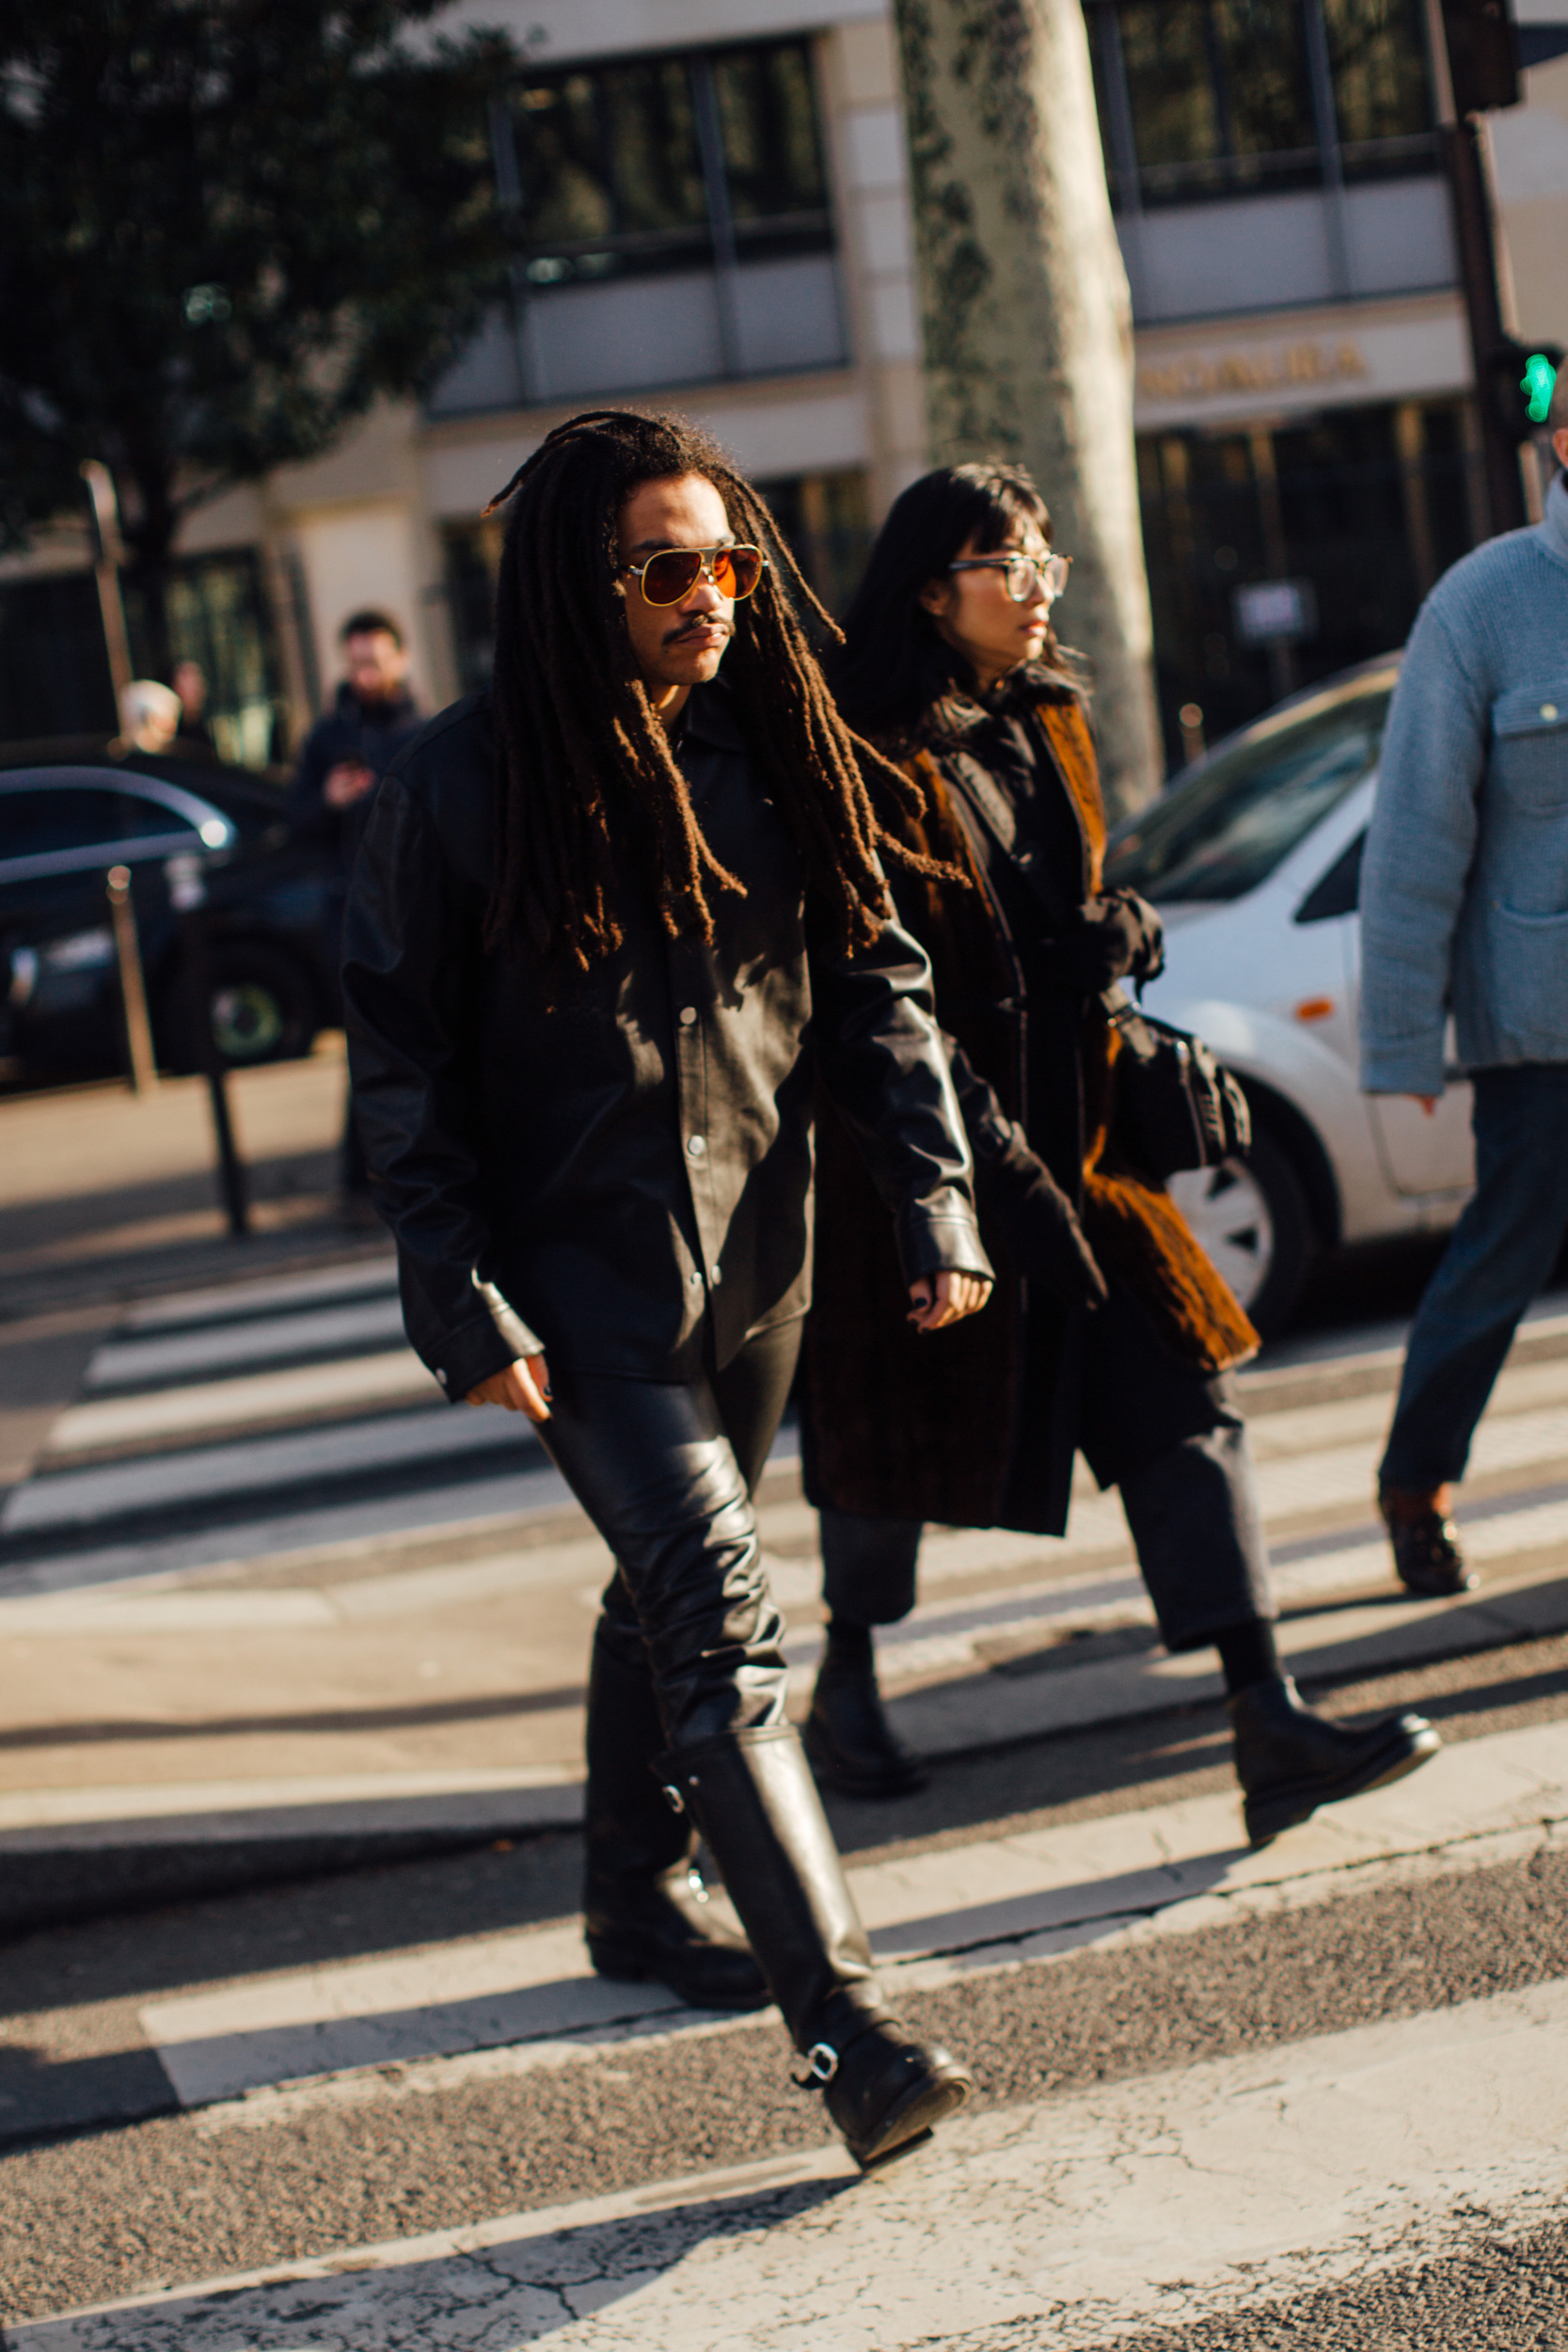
pixel 575 725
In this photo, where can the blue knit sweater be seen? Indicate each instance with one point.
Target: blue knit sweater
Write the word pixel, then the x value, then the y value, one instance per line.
pixel 1464 885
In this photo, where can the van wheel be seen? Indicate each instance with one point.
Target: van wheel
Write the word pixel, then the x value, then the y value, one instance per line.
pixel 1251 1218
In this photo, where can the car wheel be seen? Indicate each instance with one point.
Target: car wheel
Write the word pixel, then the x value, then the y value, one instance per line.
pixel 260 1005
pixel 1251 1218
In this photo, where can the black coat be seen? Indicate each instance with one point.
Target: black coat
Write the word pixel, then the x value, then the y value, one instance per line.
pixel 372 735
pixel 624 1155
pixel 977 1426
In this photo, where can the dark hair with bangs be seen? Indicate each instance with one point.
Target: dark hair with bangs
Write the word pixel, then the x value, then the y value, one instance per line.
pixel 896 681
pixel 580 748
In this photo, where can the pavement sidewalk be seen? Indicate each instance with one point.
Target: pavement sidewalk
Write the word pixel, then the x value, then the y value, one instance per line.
pixel 105 1195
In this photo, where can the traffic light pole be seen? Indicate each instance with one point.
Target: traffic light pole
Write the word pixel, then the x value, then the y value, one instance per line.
pixel 1475 70
pixel 1478 264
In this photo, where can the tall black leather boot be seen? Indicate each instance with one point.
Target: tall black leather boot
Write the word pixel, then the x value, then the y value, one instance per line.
pixel 642 1896
pixel 1290 1760
pixel 754 1797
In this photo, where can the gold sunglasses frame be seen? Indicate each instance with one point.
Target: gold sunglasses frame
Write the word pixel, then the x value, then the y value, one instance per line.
pixel 707 559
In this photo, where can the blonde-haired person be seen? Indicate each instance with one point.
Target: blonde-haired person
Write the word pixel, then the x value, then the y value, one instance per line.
pixel 150 716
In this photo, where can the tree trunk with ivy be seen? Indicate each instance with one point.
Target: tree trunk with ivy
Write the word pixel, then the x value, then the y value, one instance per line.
pixel 1028 322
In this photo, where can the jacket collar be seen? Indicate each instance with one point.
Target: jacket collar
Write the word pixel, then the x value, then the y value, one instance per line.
pixel 710 718
pixel 385 714
pixel 1552 530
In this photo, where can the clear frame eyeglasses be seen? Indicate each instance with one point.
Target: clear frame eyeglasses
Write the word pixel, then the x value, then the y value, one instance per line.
pixel 1021 573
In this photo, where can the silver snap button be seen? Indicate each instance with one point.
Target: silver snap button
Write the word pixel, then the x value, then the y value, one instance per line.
pixel 696 1278
pixel 697 1147
pixel 1549 710
pixel 718 1276
pixel 689 1014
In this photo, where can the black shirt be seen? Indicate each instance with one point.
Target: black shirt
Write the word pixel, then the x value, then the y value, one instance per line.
pixel 624 1154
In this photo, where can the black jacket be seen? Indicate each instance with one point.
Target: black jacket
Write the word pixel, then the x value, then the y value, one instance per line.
pixel 621 1159
pixel 372 734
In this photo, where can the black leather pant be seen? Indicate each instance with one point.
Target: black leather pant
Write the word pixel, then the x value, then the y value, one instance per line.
pixel 665 1471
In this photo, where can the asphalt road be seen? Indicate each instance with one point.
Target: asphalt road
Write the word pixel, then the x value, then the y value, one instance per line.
pixel 116 2181
pixel 138 2199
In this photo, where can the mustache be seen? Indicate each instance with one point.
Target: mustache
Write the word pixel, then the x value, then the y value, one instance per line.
pixel 698 627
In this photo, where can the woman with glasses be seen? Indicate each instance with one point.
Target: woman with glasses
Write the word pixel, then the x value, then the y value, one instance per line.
pixel 612 926
pixel 1108 1332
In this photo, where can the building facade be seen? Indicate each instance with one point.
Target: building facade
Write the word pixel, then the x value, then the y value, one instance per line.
pixel 710 209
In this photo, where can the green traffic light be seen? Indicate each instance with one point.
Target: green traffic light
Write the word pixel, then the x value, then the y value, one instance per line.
pixel 1538 380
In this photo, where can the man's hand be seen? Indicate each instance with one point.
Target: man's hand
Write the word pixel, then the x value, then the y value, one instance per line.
pixel 938 1299
pixel 524 1386
pixel 347 783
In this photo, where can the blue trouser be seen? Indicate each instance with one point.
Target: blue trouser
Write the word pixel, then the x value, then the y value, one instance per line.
pixel 1500 1256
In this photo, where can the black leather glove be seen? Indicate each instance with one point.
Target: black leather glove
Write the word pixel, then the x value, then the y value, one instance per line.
pixel 1116 937
pixel 1023 1200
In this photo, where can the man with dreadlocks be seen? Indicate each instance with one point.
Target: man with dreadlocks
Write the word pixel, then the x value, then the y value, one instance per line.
pixel 611 925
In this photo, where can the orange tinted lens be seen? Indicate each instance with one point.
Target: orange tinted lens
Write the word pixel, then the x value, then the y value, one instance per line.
pixel 737 571
pixel 667 578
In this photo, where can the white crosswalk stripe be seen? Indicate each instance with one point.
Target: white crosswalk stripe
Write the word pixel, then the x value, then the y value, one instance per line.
pixel 254 1461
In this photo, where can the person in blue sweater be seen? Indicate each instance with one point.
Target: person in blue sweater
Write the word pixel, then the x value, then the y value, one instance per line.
pixel 1465 914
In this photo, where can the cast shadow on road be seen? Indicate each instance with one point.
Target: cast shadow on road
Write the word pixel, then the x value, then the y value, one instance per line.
pixel 512 2291
pixel 29 1230
pixel 349 1719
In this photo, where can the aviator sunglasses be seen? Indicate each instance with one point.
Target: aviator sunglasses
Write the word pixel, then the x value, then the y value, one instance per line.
pixel 1022 572
pixel 674 572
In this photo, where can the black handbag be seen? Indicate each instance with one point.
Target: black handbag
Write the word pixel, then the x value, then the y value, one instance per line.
pixel 1174 1106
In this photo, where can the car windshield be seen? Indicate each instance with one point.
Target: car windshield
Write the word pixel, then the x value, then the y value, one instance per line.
pixel 1225 830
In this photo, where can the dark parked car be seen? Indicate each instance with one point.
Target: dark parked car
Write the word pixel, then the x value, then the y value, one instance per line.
pixel 271 981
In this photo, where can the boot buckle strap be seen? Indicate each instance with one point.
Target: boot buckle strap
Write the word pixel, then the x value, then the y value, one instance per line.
pixel 816 2066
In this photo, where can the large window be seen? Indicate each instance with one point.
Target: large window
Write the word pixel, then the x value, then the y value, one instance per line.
pixel 666 163
pixel 1210 97
pixel 669 225
pixel 1344 519
pixel 54 674
pixel 1219 95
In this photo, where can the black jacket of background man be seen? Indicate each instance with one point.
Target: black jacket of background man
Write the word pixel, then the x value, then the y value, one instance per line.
pixel 372 735
pixel 620 1161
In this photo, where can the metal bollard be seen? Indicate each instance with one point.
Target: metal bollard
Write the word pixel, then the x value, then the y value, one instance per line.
pixel 133 988
pixel 188 895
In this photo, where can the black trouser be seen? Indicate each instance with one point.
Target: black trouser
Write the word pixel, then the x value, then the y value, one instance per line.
pixel 665 1471
pixel 1171 1439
